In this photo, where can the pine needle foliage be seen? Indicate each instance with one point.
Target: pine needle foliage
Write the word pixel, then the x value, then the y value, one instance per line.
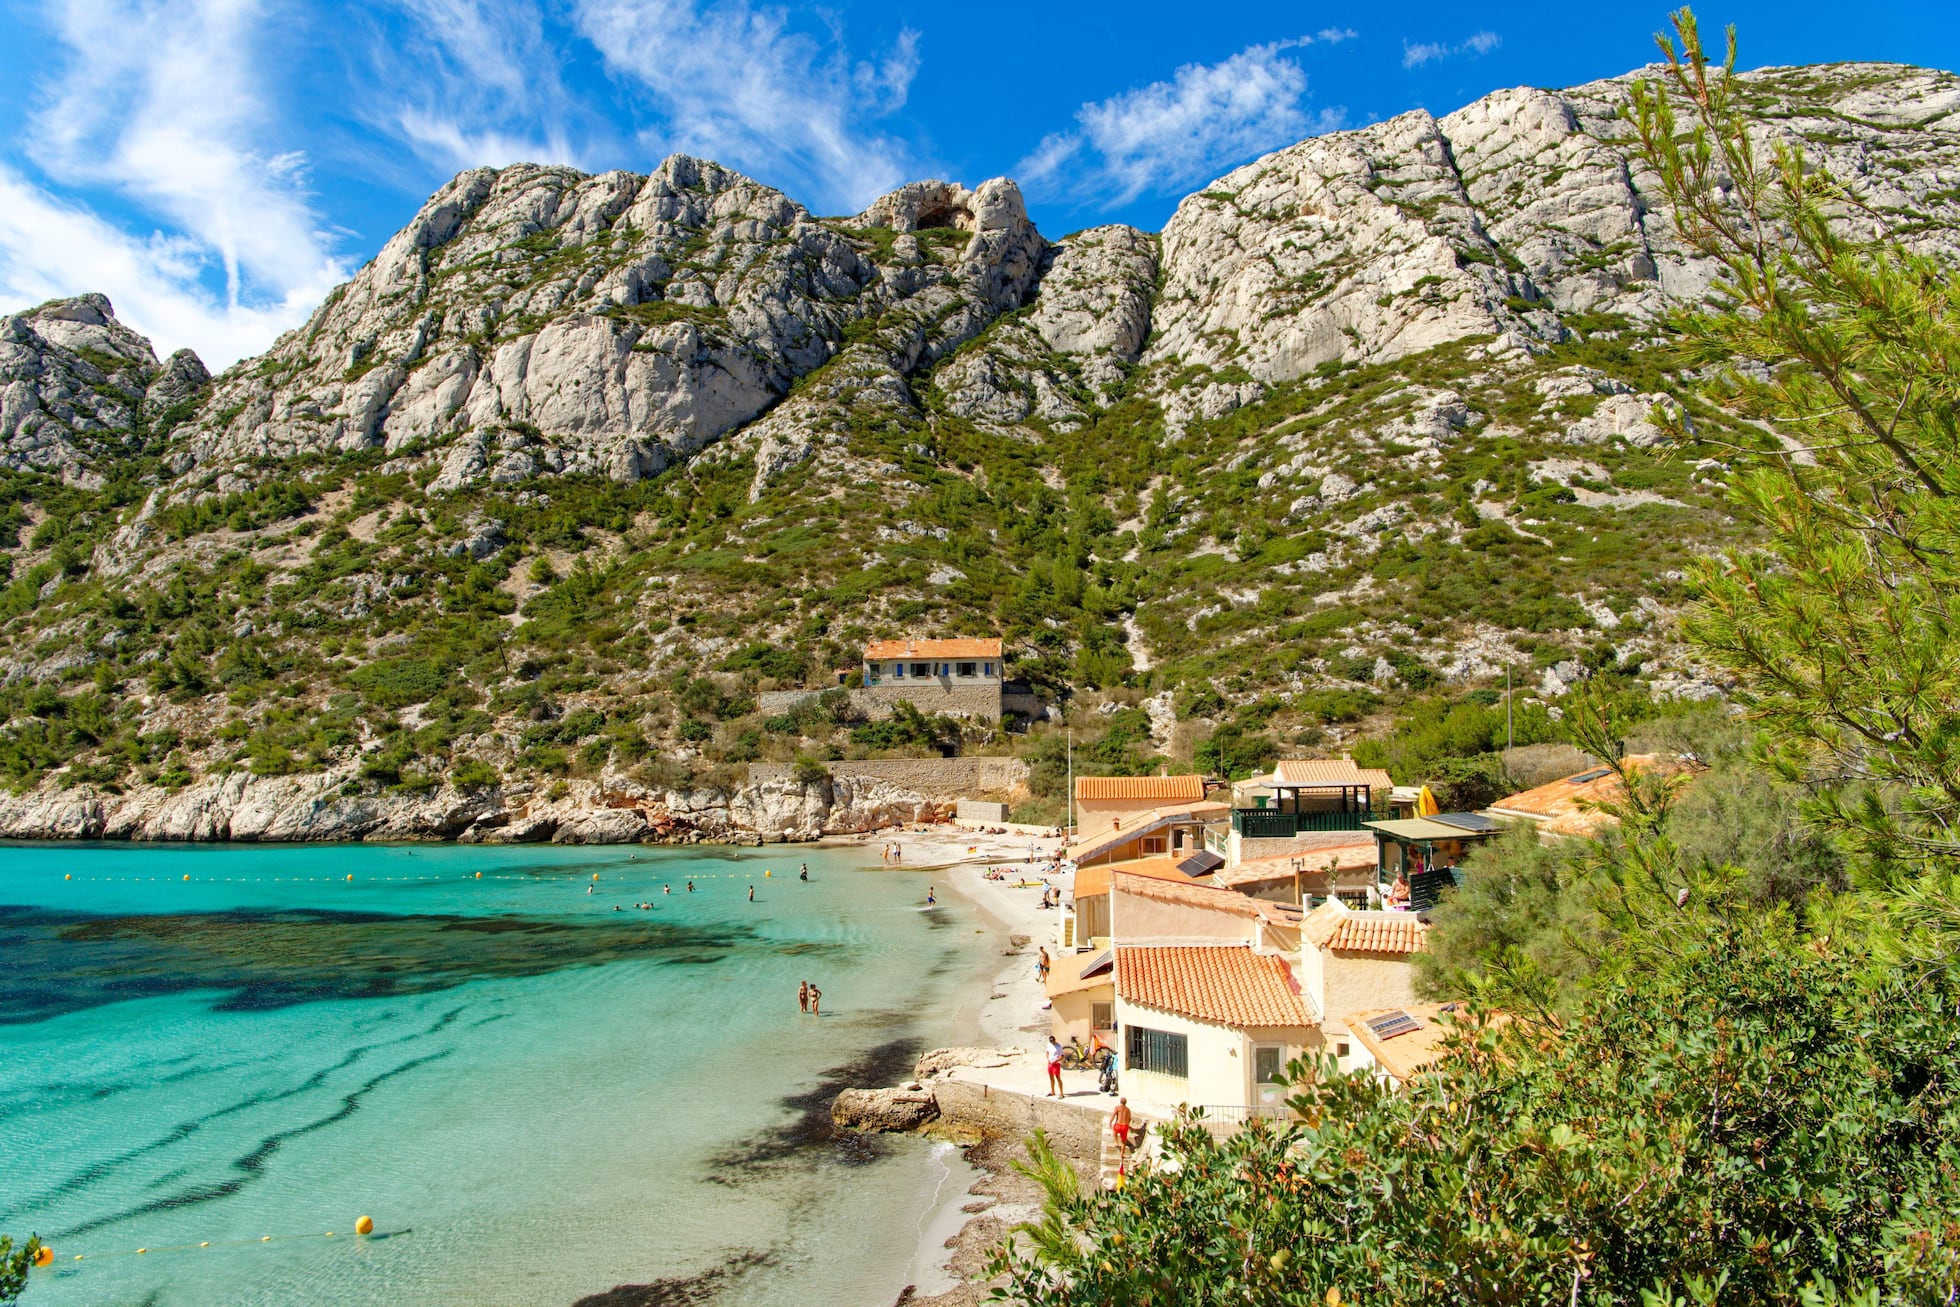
pixel 1841 622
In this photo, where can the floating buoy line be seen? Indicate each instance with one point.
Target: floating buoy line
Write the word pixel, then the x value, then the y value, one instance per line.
pixel 363 1228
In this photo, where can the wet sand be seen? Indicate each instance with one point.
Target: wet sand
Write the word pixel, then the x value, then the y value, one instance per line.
pixel 960 1236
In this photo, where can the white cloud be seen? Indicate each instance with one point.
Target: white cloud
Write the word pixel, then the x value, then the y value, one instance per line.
pixel 157 104
pixel 1171 134
pixel 1478 43
pixel 736 84
pixel 49 248
pixel 472 82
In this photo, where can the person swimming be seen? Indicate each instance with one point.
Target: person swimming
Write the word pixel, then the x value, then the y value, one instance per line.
pixel 690 887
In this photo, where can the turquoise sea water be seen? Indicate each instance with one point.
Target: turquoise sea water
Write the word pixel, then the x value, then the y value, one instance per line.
pixel 535 1097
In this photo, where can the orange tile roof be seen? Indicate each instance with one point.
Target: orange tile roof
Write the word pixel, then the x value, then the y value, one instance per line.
pixel 1164 789
pixel 1402 1056
pixel 882 649
pixel 1228 985
pixel 1334 925
pixel 1346 857
pixel 1569 805
pixel 1091 881
pixel 1330 771
pixel 1188 893
pixel 1143 823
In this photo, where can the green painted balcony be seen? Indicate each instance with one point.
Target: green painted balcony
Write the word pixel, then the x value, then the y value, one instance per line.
pixel 1265 824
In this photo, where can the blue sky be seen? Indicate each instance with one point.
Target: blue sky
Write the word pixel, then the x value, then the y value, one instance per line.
pixel 215 166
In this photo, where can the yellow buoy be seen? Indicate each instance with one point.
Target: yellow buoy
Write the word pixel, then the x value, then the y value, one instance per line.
pixel 350 876
pixel 767 874
pixel 68 877
pixel 141 1251
pixel 479 875
pixel 187 878
pixel 205 1244
pixel 595 875
pixel 266 1239
pixel 44 1256
pixel 365 1225
pixel 330 1234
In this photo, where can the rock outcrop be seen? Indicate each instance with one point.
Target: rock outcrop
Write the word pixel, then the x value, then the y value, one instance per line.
pixel 77 386
pixel 1497 221
pixel 886 1111
pixel 318 808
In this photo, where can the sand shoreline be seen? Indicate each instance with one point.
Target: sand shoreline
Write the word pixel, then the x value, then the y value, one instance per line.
pixel 959 1233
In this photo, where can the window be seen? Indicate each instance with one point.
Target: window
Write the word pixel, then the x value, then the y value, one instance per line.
pixel 1102 1016
pixel 1340 1050
pixel 1266 1064
pixel 922 670
pixel 966 670
pixel 1153 844
pixel 1158 1050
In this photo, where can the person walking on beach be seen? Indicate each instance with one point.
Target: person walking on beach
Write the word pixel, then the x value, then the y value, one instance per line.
pixel 803 996
pixel 1041 966
pixel 1055 1069
pixel 816 1001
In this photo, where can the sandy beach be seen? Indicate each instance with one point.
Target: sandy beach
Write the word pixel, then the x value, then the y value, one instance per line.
pixel 958 1237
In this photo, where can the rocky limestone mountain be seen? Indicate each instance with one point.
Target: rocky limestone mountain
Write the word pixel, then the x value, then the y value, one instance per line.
pixel 543 498
pixel 78 389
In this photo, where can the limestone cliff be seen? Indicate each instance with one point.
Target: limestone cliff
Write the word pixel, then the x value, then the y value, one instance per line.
pixel 578 466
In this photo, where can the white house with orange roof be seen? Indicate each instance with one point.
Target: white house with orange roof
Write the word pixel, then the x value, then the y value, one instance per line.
pixel 1206 1007
pixel 961 676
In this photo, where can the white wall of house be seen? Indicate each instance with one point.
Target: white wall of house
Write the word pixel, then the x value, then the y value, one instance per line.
pixel 958 670
pixel 1220 1061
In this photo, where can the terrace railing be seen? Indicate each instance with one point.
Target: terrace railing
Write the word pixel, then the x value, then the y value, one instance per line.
pixel 1265 824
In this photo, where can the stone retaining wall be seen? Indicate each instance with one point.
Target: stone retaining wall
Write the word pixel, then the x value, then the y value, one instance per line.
pixel 965 699
pixel 933 777
pixel 975 810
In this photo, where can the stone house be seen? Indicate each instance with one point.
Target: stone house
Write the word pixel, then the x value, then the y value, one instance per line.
pixel 1303 805
pixel 960 677
pixel 1109 803
pixel 1354 962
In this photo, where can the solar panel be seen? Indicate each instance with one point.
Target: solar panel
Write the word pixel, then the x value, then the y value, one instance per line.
pixel 1390 1024
pixel 1201 863
pixel 1465 820
pixel 1585 777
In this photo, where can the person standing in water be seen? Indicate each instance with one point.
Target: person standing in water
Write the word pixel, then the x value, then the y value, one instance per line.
pixel 690 887
pixel 816 1001
pixel 803 872
pixel 803 996
pixel 751 893
pixel 930 900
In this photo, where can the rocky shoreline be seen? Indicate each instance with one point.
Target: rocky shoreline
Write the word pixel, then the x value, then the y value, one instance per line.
pixel 332 807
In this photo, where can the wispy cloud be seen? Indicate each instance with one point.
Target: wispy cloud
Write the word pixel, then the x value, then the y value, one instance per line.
pixel 50 248
pixel 156 105
pixel 1415 55
pixel 466 83
pixel 1170 134
pixel 740 85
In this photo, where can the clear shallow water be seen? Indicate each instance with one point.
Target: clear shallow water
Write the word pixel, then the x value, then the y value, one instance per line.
pixel 535 1097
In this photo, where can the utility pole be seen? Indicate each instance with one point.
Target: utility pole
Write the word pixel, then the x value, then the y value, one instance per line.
pixel 1071 785
pixel 1508 742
